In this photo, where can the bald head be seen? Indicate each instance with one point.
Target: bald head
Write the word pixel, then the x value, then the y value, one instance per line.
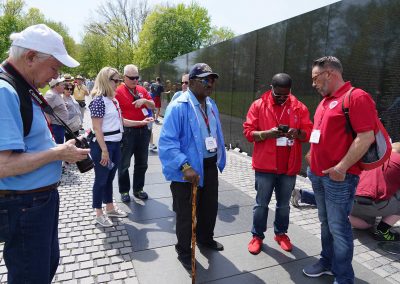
pixel 282 80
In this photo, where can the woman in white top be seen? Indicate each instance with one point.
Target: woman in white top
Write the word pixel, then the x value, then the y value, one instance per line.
pixel 105 147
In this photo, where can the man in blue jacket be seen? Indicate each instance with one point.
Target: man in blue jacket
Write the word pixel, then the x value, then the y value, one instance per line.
pixel 191 149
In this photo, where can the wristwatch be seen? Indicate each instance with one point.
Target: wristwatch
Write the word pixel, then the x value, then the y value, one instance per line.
pixel 185 166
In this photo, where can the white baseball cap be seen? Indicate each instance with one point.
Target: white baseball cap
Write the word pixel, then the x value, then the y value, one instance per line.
pixel 54 82
pixel 43 39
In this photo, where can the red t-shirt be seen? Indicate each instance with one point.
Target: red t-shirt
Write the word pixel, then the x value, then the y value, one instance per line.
pixel 329 118
pixel 383 182
pixel 125 99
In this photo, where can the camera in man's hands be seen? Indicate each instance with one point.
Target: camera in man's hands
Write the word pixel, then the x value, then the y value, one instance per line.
pixel 86 164
pixel 283 127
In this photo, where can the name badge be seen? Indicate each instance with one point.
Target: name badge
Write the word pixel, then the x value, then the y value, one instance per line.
pixel 145 111
pixel 281 141
pixel 315 135
pixel 211 144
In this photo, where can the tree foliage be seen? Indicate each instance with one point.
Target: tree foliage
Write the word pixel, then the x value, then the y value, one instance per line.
pixel 219 34
pixel 172 31
pixel 13 19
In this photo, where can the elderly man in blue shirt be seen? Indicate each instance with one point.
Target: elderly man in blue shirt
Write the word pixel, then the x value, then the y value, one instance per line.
pixel 191 149
pixel 30 160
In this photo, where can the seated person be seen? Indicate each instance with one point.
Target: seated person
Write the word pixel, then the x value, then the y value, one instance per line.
pixel 377 195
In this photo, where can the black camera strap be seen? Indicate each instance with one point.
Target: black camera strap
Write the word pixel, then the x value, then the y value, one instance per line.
pixel 36 96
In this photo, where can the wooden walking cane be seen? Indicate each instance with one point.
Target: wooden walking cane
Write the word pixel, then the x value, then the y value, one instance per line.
pixel 194 223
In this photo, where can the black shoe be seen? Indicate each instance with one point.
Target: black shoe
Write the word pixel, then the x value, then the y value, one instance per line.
pixel 387 236
pixel 141 195
pixel 186 261
pixel 214 245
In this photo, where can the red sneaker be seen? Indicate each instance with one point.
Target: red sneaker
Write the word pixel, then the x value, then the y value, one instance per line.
pixel 255 245
pixel 284 241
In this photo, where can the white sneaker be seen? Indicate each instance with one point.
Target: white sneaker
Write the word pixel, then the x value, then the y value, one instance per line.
pixel 116 212
pixel 104 221
pixel 153 147
pixel 296 196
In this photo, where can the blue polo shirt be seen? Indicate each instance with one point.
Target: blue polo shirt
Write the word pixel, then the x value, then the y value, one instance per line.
pixel 12 138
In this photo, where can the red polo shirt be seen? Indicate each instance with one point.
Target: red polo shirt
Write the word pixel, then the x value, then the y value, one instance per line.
pixel 125 98
pixel 329 118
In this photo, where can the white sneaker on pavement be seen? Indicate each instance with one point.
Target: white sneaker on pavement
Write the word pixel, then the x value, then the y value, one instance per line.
pixel 116 212
pixel 296 196
pixel 104 221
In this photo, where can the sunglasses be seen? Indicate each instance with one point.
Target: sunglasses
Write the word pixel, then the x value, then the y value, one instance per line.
pixel 68 89
pixel 116 81
pixel 132 77
pixel 206 81
pixel 185 83
pixel 279 95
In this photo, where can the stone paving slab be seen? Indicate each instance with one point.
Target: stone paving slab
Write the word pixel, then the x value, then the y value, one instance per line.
pixel 162 207
pixel 292 273
pixel 162 189
pixel 160 232
pixel 236 265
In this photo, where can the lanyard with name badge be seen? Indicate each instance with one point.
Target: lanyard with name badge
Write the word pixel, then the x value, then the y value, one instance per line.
pixel 210 141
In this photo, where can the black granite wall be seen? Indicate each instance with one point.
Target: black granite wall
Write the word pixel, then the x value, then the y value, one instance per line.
pixel 363 34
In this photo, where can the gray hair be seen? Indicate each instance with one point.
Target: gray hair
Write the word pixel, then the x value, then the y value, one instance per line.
pixel 16 52
pixel 130 67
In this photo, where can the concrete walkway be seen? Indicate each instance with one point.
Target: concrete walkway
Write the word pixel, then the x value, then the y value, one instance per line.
pixel 140 248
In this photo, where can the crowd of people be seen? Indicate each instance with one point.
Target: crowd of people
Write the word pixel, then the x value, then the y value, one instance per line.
pixel 34 143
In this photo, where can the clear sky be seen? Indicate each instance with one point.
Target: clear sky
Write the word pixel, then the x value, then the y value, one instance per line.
pixel 241 16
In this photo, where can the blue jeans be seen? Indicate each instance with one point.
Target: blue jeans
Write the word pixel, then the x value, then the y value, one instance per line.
pixel 135 141
pixel 265 185
pixel 334 201
pixel 58 132
pixel 307 197
pixel 29 228
pixel 103 176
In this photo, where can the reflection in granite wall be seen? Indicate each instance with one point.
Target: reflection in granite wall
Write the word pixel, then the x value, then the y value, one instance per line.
pixel 363 34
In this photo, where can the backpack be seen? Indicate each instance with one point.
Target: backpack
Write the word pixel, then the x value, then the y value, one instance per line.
pixel 25 106
pixel 379 151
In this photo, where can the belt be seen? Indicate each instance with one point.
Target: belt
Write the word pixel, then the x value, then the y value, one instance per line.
pixel 4 193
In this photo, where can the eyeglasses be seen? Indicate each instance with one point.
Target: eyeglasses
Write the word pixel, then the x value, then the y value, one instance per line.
pixel 185 83
pixel 279 95
pixel 314 79
pixel 132 77
pixel 116 81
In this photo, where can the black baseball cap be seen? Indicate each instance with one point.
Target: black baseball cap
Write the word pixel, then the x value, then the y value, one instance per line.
pixel 201 70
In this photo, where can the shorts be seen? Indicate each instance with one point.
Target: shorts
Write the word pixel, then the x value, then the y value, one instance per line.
pixel 383 208
pixel 157 101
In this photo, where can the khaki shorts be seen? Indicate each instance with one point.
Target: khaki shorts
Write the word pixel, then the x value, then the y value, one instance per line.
pixel 369 212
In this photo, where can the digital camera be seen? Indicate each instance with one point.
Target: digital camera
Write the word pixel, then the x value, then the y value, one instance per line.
pixel 284 128
pixel 86 164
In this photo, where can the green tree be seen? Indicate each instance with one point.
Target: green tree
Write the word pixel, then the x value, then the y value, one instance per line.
pixel 218 35
pixel 11 20
pixel 119 23
pixel 94 54
pixel 172 31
